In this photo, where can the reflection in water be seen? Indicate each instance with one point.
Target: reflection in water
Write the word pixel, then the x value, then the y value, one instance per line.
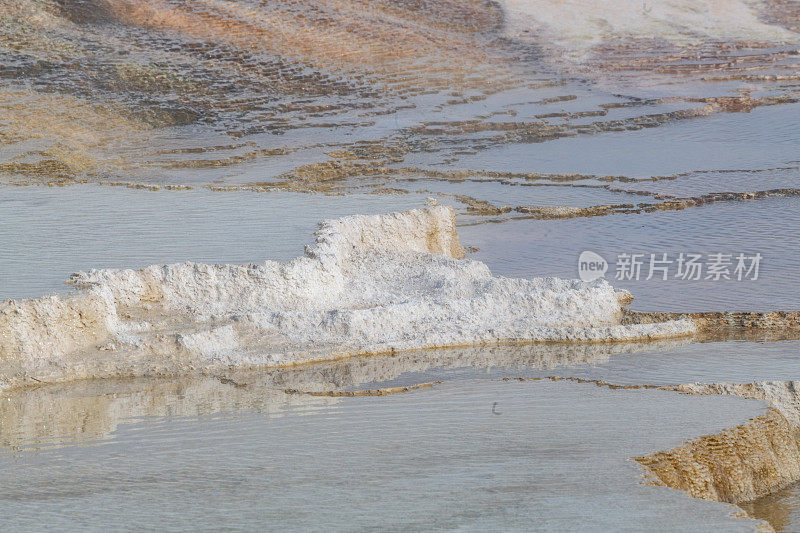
pixel 370 95
pixel 781 509
pixel 91 410
pixel 557 457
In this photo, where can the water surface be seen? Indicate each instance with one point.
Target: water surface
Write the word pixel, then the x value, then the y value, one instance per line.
pixel 556 457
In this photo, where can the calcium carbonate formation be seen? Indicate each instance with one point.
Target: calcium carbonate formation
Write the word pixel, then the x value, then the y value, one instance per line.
pixel 369 284
pixel 579 26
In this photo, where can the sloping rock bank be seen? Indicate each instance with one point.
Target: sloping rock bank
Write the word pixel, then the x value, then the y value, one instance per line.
pixel 741 463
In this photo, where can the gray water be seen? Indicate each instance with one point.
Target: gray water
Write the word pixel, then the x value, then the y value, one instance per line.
pixel 556 457
pixel 473 452
pixel 200 452
pixel 398 101
pixel 765 138
pixel 781 508
pixel 47 233
pixel 768 227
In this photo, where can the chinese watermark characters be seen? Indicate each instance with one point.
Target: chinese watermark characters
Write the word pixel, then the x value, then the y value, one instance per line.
pixel 665 266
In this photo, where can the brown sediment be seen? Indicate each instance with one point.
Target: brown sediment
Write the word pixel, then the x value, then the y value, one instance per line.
pixel 352 171
pixel 736 465
pixel 598 382
pixel 82 157
pixel 270 67
pixel 384 191
pixel 366 392
pixel 693 62
pixel 372 165
pixel 562 211
pixel 554 99
pixel 744 103
pixel 72 134
pixel 239 69
pixel 481 207
pixel 742 463
pixel 542 130
pixel 460 175
pixel 133 185
pixel 222 162
pixel 334 34
pixel 724 321
pixel 354 167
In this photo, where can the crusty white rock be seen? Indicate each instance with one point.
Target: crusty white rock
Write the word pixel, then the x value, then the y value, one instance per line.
pixel 368 284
